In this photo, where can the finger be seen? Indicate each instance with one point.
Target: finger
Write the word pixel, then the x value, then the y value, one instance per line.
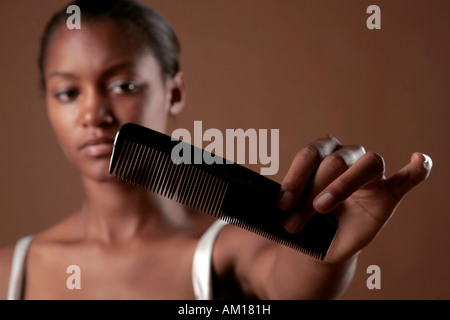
pixel 330 168
pixel 302 168
pixel 409 176
pixel 368 168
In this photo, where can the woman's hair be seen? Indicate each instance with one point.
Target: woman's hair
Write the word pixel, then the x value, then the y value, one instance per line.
pixel 136 19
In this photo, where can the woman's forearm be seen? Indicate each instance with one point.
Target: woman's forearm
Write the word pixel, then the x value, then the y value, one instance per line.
pixel 298 276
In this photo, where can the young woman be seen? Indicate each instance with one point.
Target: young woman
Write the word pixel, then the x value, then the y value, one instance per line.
pixel 130 244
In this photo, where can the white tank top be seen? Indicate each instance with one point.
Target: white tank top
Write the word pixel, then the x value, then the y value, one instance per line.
pixel 201 265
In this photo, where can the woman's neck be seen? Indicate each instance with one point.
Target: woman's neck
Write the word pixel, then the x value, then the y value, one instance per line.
pixel 115 212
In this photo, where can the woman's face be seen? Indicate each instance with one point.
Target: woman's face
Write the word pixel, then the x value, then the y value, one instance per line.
pixel 97 79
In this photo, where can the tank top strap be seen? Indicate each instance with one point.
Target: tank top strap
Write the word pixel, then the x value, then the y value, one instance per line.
pixel 17 275
pixel 202 262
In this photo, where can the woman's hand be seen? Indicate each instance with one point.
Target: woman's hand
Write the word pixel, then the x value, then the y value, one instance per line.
pixel 328 176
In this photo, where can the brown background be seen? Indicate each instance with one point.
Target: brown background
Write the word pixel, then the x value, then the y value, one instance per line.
pixel 304 67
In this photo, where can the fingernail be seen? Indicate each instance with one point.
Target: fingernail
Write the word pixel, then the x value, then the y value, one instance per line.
pixel 293 223
pixel 286 200
pixel 428 163
pixel 324 201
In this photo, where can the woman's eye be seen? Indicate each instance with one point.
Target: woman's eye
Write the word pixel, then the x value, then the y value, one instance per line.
pixel 123 87
pixel 67 95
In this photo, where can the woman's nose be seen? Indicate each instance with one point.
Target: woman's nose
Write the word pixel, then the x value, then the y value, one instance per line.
pixel 96 110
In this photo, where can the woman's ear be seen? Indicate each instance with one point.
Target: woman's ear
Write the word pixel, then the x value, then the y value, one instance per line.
pixel 177 94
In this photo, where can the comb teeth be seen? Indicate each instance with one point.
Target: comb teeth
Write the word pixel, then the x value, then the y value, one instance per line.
pixel 155 171
pixel 271 236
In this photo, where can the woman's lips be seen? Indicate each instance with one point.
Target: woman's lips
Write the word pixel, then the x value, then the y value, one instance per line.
pixel 98 147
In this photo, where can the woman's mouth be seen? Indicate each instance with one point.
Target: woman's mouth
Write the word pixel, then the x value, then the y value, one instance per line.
pixel 99 147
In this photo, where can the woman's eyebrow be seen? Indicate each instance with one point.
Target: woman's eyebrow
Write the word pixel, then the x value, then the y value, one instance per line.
pixel 62 74
pixel 109 71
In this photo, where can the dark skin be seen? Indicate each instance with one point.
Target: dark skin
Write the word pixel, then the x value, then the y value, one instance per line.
pixel 131 244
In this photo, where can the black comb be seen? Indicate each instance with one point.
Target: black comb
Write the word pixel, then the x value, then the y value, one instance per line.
pixel 227 191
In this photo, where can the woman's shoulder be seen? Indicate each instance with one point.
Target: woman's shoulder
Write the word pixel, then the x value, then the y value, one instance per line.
pixel 59 232
pixel 7 251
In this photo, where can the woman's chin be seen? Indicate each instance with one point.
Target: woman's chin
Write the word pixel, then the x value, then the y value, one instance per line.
pixel 98 171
